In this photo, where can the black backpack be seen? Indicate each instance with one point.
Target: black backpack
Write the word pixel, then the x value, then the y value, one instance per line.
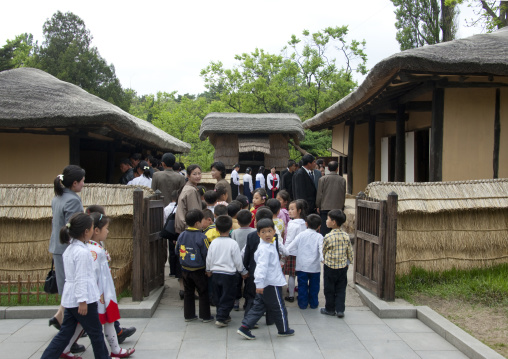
pixel 169 232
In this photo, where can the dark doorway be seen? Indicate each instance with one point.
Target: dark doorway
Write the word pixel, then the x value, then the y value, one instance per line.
pixel 422 156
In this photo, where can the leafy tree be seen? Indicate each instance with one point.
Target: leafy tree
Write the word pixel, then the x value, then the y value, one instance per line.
pixel 17 53
pixel 424 22
pixel 490 14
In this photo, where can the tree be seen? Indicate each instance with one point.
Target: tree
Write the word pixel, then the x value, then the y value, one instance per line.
pixel 424 22
pixel 17 53
pixel 67 54
pixel 490 14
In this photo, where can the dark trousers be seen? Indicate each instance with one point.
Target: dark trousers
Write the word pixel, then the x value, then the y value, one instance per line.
pixel 224 293
pixel 195 280
pixel 239 286
pixel 249 293
pixel 173 259
pixel 271 302
pixel 308 289
pixel 234 191
pixel 335 282
pixel 91 325
pixel 324 229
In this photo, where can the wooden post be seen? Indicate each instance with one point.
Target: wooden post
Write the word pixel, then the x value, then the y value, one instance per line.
pixel 371 171
pixel 145 245
pixel 497 134
pixel 350 147
pixel 74 150
pixel 137 233
pixel 360 195
pixel 390 247
pixel 400 145
pixel 436 141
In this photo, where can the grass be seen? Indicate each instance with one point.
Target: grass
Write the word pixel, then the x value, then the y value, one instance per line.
pixel 5 302
pixel 486 286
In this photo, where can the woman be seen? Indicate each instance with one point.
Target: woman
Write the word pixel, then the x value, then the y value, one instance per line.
pixel 144 175
pixel 65 203
pixel 260 178
pixel 273 183
pixel 189 199
pixel 247 184
pixel 218 171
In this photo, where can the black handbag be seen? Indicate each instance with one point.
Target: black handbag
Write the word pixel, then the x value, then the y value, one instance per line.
pixel 50 285
pixel 169 232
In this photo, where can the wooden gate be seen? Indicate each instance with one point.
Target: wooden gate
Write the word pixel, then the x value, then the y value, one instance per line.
pixel 376 244
pixel 150 250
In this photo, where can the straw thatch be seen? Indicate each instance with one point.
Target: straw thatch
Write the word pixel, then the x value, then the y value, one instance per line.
pixel 31 98
pixel 279 152
pixel 226 149
pixel 254 144
pixel 484 54
pixel 25 219
pixel 443 225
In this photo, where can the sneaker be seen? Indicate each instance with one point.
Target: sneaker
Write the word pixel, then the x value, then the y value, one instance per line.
pixel 221 324
pixel 340 314
pixel 125 333
pixel 287 333
pixel 208 320
pixel 325 312
pixel 191 319
pixel 245 332
pixel 290 299
pixel 236 306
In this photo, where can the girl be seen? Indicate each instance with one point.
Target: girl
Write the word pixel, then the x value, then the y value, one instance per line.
pixel 65 203
pixel 273 183
pixel 80 293
pixel 297 212
pixel 144 177
pixel 222 194
pixel 260 178
pixel 258 200
pixel 218 172
pixel 108 305
pixel 283 198
pixel 247 184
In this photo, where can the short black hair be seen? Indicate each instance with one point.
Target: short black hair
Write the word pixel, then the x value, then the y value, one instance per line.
pixel 338 216
pixel 313 221
pixel 210 197
pixel 243 200
pixel 320 161
pixel 221 189
pixel 95 208
pixel 169 159
pixel 263 212
pixel 308 158
pixel 193 216
pixel 204 205
pixel 220 210
pixel 264 223
pixel 207 213
pixel 219 166
pixel 233 209
pixel 291 163
pixel 125 161
pixel 201 190
pixel 223 223
pixel 274 205
pixel 136 157
pixel 244 217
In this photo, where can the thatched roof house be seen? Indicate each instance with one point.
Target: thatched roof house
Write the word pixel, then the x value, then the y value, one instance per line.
pixel 252 139
pixel 442 225
pixel 435 113
pixel 25 219
pixel 45 124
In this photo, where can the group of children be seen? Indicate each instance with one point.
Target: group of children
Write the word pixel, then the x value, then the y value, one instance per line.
pixel 255 248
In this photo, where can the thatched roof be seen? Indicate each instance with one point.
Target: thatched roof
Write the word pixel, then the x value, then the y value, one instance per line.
pixel 31 98
pixel 33 202
pixel 484 54
pixel 247 123
pixel 434 197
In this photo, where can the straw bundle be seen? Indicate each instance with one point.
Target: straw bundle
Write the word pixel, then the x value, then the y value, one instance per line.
pixel 226 149
pixel 254 144
pixel 279 152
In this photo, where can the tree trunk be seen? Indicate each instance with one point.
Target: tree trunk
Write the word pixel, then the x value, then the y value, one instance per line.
pixel 298 148
pixel 447 17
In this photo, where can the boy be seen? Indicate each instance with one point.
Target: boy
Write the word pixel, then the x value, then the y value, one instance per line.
pixel 233 208
pixel 223 261
pixel 210 198
pixel 308 246
pixel 337 251
pixel 192 249
pixel 269 279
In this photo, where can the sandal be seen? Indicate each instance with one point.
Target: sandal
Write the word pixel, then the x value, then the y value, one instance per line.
pixel 126 353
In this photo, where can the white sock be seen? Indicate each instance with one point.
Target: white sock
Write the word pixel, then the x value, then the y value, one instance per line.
pixel 110 332
pixel 77 334
pixel 291 286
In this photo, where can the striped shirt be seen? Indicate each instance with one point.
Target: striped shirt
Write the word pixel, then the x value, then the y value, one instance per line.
pixel 337 249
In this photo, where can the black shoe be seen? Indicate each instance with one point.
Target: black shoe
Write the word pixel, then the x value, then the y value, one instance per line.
pixel 340 314
pixel 181 294
pixel 125 333
pixel 77 348
pixel 325 312
pixel 54 322
pixel 84 335
pixel 290 299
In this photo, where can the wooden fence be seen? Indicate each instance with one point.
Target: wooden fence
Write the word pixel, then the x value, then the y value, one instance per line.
pixel 150 250
pixel 376 244
pixel 32 290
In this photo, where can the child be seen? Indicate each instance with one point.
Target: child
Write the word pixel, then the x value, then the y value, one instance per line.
pixel 258 200
pixel 208 220
pixel 211 233
pixel 108 305
pixel 210 199
pixel 144 175
pixel 222 194
pixel 244 201
pixel 274 206
pixel 168 211
pixel 337 252
pixel 297 211
pixel 171 207
pixel 192 248
pixel 223 261
pixel 269 280
pixel 80 293
pixel 233 208
pixel 247 184
pixel 308 246
pixel 283 197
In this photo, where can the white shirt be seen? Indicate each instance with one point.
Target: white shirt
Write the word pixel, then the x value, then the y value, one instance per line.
pixel 141 181
pixel 224 257
pixel 235 177
pixel 80 281
pixel 268 270
pixel 170 208
pixel 261 179
pixel 308 247
pixel 272 178
pixel 295 226
pixel 247 180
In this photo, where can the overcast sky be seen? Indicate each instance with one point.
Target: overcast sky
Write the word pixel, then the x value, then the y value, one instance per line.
pixel 163 45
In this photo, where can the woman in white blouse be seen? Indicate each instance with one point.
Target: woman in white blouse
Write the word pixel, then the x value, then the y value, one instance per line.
pixel 144 175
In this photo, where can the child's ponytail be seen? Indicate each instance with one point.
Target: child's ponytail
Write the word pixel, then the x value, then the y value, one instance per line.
pixel 76 227
pixel 143 166
pixel 302 206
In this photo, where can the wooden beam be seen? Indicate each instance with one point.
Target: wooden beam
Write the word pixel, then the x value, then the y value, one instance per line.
pixel 497 133
pixel 371 171
pixel 350 147
pixel 74 149
pixel 436 142
pixel 474 85
pixel 400 145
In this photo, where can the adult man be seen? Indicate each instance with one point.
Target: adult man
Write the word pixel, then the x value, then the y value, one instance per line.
pixel 317 171
pixel 127 171
pixel 235 181
pixel 331 194
pixel 303 182
pixel 135 159
pixel 168 180
pixel 286 177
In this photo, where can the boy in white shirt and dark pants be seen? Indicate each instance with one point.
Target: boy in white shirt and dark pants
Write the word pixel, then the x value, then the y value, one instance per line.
pixel 308 247
pixel 269 279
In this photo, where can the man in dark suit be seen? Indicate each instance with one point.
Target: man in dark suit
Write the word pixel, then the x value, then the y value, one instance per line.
pixel 286 177
pixel 303 182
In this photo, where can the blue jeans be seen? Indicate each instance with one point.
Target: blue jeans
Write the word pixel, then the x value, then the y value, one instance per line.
pixel 308 289
pixel 91 325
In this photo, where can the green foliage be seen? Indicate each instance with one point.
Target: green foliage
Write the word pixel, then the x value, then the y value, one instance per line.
pixel 490 15
pixel 17 53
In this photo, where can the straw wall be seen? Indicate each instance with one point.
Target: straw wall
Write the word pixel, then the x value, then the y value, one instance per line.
pixel 279 152
pixel 226 149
